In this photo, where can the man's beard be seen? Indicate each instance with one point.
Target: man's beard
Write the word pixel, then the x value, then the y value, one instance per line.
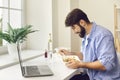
pixel 83 31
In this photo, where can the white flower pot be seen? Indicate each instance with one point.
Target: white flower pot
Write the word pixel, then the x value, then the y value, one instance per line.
pixel 12 50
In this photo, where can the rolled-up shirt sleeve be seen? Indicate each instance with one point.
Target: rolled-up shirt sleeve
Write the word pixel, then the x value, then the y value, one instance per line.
pixel 106 51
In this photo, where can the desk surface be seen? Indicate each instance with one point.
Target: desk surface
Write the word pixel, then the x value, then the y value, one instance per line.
pixel 61 72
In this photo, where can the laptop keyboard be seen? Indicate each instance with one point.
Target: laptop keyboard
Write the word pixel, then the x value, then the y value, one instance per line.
pixel 32 70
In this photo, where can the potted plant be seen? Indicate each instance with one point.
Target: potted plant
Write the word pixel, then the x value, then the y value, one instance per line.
pixel 14 36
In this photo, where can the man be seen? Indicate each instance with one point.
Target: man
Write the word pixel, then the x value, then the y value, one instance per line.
pixel 98 53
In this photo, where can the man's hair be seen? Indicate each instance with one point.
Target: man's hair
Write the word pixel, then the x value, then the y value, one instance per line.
pixel 75 16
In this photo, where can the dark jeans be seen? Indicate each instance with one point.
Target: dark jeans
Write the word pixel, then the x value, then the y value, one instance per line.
pixel 82 76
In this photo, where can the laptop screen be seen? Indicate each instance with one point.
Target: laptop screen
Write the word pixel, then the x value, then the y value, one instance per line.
pixel 19 58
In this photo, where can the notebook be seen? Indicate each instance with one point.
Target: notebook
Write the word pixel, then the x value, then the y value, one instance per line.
pixel 33 71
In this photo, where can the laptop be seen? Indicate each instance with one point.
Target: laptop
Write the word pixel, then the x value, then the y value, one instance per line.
pixel 33 71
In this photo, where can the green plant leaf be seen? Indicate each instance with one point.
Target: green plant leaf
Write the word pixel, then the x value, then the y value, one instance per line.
pixel 17 34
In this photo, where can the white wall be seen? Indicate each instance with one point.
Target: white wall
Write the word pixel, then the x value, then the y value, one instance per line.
pixel 100 11
pixel 75 39
pixel 64 33
pixel 39 14
pixel 65 38
pixel 61 34
pixel 55 23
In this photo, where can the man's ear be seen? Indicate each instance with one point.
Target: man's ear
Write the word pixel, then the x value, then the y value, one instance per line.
pixel 82 22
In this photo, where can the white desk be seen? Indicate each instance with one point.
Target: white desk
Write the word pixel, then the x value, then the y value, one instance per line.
pixel 61 72
pixel 7 61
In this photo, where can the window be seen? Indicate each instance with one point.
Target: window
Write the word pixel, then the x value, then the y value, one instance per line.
pixel 10 12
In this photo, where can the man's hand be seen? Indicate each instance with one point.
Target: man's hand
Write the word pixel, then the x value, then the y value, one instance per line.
pixel 74 64
pixel 64 52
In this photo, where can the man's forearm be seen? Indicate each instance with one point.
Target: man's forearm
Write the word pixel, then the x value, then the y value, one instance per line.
pixel 92 65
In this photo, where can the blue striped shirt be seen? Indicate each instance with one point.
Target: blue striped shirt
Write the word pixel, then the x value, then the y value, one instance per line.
pixel 99 45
